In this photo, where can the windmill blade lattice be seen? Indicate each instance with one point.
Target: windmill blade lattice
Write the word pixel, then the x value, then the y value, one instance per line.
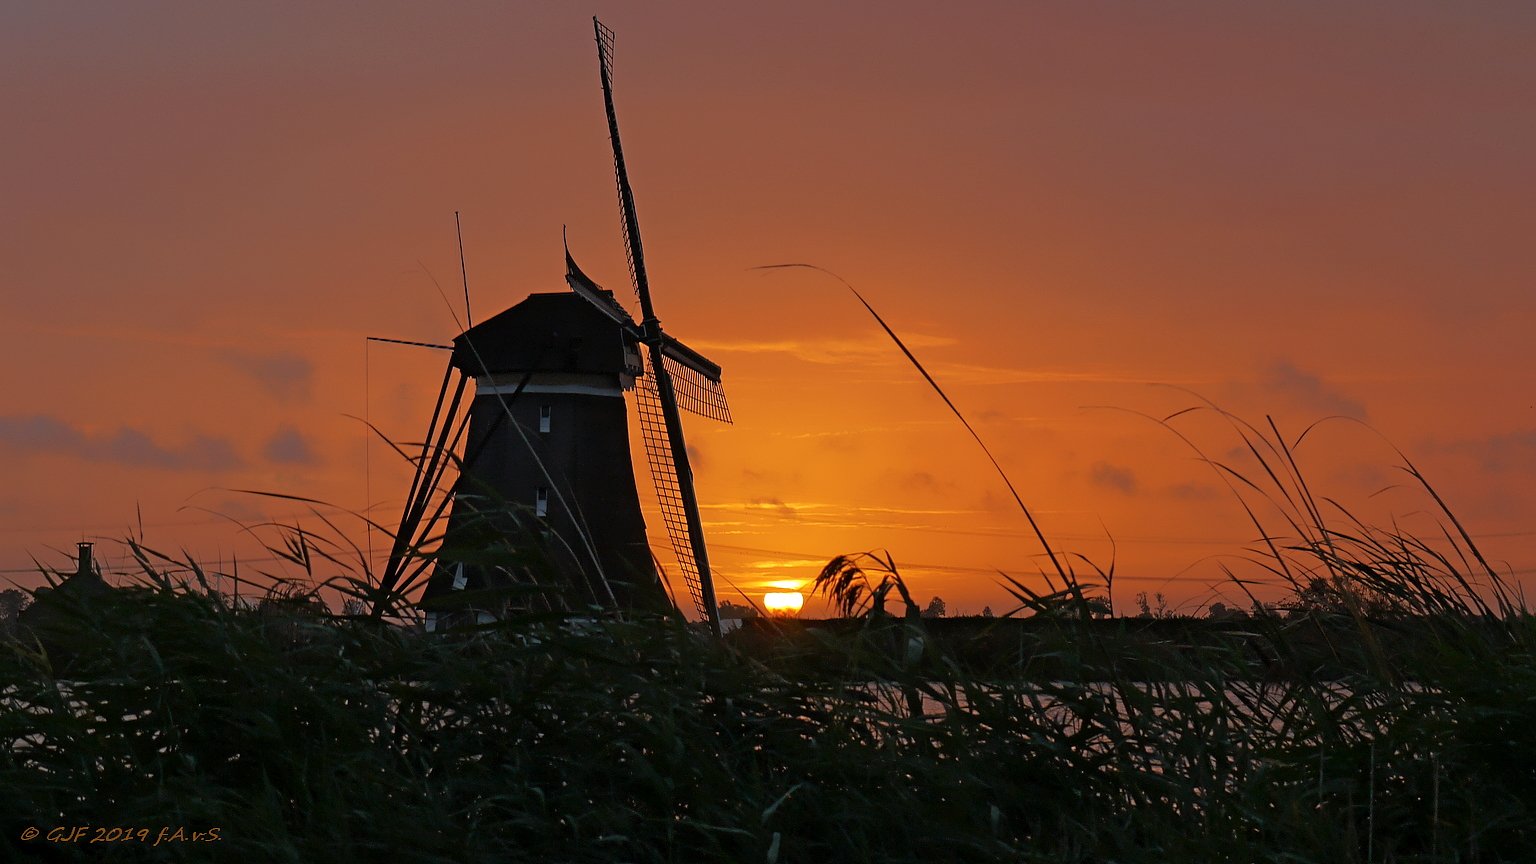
pixel 696 393
pixel 658 454
pixel 621 182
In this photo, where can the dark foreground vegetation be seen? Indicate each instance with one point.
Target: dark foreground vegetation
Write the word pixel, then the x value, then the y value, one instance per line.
pixel 1325 645
pixel 303 737
pixel 1389 716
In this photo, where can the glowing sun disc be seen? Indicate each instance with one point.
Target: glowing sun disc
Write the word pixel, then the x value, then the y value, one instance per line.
pixel 783 602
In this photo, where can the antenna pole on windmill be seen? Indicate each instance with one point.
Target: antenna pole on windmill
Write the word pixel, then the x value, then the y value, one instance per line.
pixel 652 336
pixel 469 319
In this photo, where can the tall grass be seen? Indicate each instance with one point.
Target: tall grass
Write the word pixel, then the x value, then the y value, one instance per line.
pixel 1394 719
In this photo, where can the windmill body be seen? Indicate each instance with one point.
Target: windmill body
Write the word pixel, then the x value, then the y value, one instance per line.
pixel 547 484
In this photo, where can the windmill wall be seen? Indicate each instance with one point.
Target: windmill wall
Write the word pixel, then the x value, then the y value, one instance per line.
pixel 547 482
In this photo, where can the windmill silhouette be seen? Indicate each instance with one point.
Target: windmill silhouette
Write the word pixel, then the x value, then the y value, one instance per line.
pixel 547 435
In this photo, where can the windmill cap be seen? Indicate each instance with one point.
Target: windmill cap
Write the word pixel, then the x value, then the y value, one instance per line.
pixel 553 332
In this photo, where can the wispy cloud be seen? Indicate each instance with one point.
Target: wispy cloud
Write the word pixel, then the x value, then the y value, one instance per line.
pixel 849 432
pixel 289 446
pixel 127 446
pixel 789 564
pixel 1192 492
pixel 975 373
pixel 1496 454
pixel 836 350
pixel 1116 477
pixel 287 376
pixel 805 506
pixel 923 482
pixel 776 506
pixel 825 516
pixel 878 353
pixel 240 509
pixel 1308 390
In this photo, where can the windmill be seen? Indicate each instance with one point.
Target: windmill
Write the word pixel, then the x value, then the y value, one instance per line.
pixel 675 377
pixel 546 434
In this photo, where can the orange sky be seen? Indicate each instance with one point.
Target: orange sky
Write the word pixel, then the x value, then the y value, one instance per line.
pixel 1300 210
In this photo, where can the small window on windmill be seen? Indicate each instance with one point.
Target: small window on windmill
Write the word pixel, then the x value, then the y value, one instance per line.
pixel 544 412
pixel 541 502
pixel 459 579
pixel 633 366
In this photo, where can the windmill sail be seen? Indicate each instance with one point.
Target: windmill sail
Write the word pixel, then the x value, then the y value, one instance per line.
pixel 695 378
pixel 673 452
pixel 697 392
pixel 658 454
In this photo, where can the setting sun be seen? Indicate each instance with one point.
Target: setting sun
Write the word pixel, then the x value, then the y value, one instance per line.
pixel 784 604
